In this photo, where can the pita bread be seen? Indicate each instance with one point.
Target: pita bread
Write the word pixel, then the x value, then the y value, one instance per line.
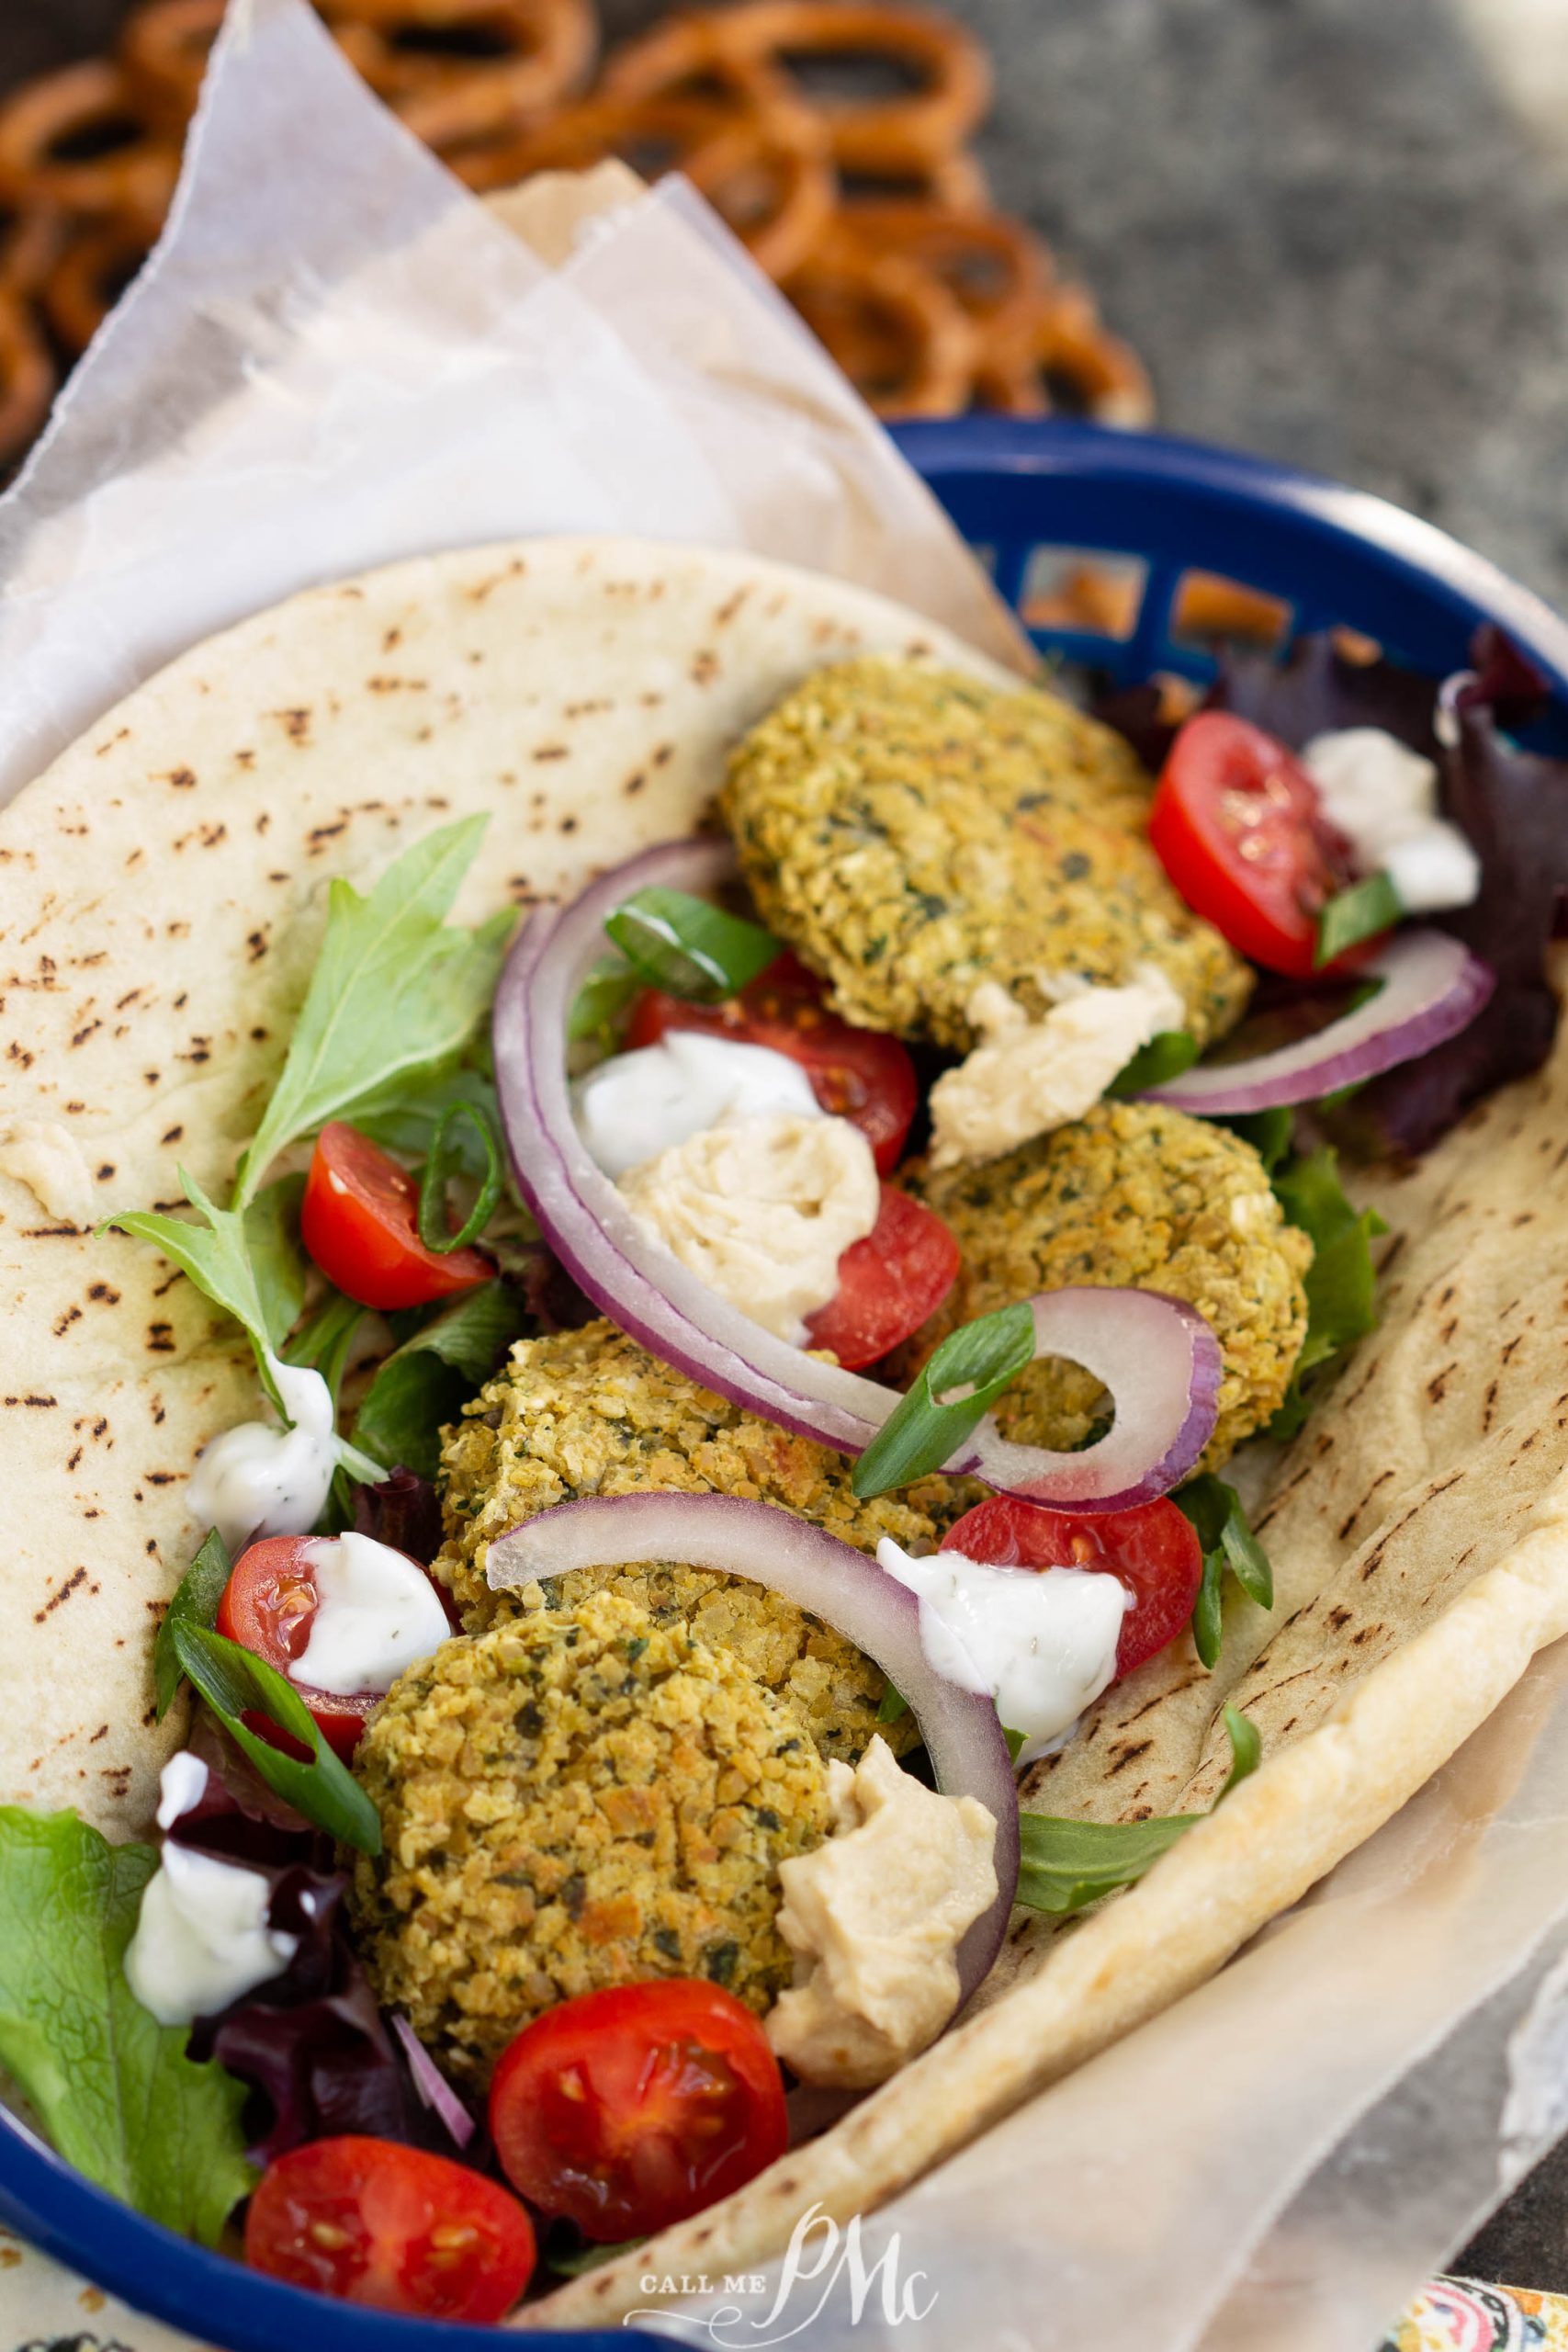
pixel 162 895
pixel 161 899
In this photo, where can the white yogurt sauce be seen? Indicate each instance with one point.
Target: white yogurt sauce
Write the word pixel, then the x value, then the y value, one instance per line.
pixel 264 1480
pixel 638 1105
pixel 1383 799
pixel 182 1785
pixel 1042 1643
pixel 201 1940
pixel 379 1613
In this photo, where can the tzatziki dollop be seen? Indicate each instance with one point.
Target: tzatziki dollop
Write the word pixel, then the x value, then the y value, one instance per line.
pixel 202 1937
pixel 1041 1641
pixel 376 1613
pixel 635 1106
pixel 1383 798
pixel 262 1480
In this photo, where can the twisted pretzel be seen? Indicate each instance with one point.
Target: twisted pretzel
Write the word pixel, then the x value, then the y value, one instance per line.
pixel 901 338
pixel 751 53
pixel 953 183
pixel 458 69
pixel 163 48
pixel 770 180
pixel 28 378
pixel 1073 352
pixel 30 239
pixel 995 268
pixel 134 173
pixel 89 278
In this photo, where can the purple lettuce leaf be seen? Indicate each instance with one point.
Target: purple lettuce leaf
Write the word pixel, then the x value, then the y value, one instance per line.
pixel 402 1511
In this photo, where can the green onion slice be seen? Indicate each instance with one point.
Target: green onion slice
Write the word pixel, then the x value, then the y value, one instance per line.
pixel 236 1683
pixel 1364 911
pixel 950 1398
pixel 691 949
pixel 445 1158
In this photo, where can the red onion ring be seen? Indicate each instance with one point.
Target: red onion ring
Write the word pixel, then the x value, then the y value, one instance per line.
pixel 1433 987
pixel 831 1581
pixel 646 1290
pixel 433 2086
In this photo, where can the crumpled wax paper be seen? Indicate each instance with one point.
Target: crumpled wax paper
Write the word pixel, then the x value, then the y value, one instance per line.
pixel 338 358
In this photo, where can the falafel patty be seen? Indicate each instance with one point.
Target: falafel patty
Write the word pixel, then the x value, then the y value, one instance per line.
pixel 913 833
pixel 576 1799
pixel 590 1412
pixel 1137 1194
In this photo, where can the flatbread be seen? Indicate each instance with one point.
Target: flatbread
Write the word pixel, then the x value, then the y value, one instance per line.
pixel 1418 1530
pixel 163 891
pixel 161 894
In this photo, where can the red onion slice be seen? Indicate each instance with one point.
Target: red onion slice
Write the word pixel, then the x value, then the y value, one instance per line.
pixel 433 2086
pixel 643 1287
pixel 1433 987
pixel 1162 1365
pixel 830 1579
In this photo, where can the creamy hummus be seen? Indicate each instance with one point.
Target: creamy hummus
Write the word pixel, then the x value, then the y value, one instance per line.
pixel 763 1210
pixel 1028 1077
pixel 875 1918
pixel 46 1157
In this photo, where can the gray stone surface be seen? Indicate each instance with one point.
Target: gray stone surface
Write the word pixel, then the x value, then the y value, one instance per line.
pixel 1337 243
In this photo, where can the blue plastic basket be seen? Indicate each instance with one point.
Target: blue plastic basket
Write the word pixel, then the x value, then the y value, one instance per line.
pixel 1026 494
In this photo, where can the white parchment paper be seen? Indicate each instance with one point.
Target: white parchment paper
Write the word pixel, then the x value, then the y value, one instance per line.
pixel 338 358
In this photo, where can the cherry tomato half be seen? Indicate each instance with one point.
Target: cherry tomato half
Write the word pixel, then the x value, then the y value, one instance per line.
pixel 888 1284
pixel 360 1224
pixel 1154 1551
pixel 1237 823
pixel 856 1074
pixel 268 1606
pixel 629 2110
pixel 374 2222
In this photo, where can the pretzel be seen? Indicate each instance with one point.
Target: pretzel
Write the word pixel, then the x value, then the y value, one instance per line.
pixel 956 183
pixel 1071 348
pixel 163 48
pixel 30 239
pixel 28 378
pixel 770 181
pixel 995 268
pixel 458 69
pixel 898 333
pixel 134 177
pixel 746 51
pixel 89 278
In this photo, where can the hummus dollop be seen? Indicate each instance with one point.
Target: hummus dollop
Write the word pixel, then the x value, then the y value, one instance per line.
pixel 1028 1077
pixel 763 1210
pixel 874 1917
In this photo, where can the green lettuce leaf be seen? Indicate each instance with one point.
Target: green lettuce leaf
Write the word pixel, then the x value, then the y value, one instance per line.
pixel 396 989
pixel 216 1255
pixel 112 2088
pixel 1341 1282
pixel 1068 1864
pixel 432 1376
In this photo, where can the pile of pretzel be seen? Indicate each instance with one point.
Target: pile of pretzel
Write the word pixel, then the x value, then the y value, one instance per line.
pixel 833 136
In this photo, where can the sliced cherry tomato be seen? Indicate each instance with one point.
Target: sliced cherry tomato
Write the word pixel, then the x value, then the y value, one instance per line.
pixel 360 1223
pixel 1154 1551
pixel 374 2222
pixel 856 1074
pixel 1237 823
pixel 888 1284
pixel 268 1607
pixel 629 2110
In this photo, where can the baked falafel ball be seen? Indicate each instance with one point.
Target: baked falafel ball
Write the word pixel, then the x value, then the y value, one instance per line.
pixel 590 1412
pixel 576 1799
pixel 1142 1196
pixel 912 832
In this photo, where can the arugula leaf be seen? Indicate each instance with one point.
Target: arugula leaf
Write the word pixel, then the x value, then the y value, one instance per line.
pixel 430 1379
pixel 215 1255
pixel 277 1255
pixel 235 1683
pixel 326 1341
pixel 1341 1282
pixel 893 1706
pixel 1227 1542
pixel 1165 1057
pixel 948 1399
pixel 112 2087
pixel 395 989
pixel 195 1603
pixel 684 944
pixel 1360 912
pixel 1069 1864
